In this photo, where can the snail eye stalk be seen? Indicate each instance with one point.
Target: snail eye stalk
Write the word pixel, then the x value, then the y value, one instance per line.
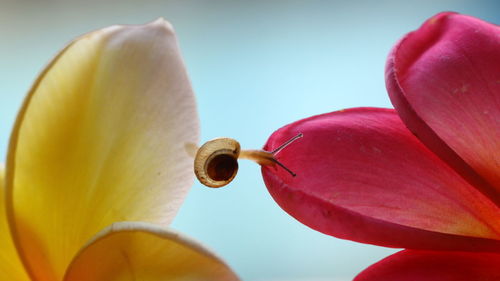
pixel 216 161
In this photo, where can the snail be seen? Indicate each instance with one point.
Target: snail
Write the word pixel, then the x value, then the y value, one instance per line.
pixel 216 161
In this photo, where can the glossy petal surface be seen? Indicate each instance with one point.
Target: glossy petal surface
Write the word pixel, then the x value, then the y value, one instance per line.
pixel 139 251
pixel 10 264
pixel 411 265
pixel 100 139
pixel 443 80
pixel 361 175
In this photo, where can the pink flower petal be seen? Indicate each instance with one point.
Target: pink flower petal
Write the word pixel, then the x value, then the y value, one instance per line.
pixel 444 81
pixel 361 175
pixel 410 265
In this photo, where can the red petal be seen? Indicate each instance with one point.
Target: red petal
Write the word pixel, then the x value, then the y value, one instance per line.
pixel 444 81
pixel 412 265
pixel 361 175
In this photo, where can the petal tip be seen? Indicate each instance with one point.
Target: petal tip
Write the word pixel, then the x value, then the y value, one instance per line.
pixel 162 24
pixel 439 17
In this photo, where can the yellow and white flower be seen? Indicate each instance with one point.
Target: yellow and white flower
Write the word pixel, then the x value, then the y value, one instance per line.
pixel 97 166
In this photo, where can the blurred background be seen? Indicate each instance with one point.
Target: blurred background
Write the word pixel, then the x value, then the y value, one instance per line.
pixel 255 66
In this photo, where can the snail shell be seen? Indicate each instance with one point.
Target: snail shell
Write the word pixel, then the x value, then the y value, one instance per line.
pixel 216 162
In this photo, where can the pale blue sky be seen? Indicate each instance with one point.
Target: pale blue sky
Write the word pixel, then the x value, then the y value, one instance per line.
pixel 255 66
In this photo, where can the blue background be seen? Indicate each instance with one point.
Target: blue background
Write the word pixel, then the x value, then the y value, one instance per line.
pixel 255 66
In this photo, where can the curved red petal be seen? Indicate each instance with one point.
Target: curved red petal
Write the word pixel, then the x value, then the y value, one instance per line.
pixel 443 80
pixel 411 265
pixel 361 175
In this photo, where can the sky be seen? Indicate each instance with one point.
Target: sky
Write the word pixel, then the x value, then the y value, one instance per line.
pixel 255 66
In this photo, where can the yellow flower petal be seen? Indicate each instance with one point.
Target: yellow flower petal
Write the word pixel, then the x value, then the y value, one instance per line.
pixel 99 139
pixel 10 264
pixel 140 251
